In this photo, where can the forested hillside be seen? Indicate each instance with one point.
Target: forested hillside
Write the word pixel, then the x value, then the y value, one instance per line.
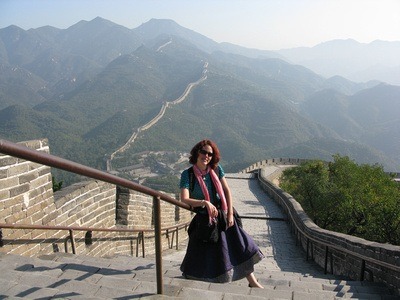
pixel 88 88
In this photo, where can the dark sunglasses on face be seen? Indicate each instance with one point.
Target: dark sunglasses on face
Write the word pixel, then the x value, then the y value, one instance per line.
pixel 204 152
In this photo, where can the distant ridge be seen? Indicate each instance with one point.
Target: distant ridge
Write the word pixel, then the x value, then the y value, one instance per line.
pixel 88 87
pixel 378 60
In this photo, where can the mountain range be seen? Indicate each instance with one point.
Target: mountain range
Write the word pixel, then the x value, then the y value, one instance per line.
pixel 87 88
pixel 378 60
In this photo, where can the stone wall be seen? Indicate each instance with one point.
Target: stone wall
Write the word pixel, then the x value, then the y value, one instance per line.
pixel 273 161
pixel 26 197
pixel 338 262
pixel 87 204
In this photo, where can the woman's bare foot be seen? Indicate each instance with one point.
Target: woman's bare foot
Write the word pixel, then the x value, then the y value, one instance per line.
pixel 253 282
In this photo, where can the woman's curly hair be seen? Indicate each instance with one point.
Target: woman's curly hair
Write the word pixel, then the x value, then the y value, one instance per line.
pixel 194 153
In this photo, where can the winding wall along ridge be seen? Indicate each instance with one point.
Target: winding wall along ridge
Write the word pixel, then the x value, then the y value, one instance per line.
pixel 158 117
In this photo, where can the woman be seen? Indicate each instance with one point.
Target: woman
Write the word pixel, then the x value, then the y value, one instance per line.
pixel 233 256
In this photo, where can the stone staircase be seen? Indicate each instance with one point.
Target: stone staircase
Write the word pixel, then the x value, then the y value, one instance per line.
pixel 67 276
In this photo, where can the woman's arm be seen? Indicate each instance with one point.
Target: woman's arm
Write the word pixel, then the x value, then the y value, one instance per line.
pixel 198 203
pixel 190 201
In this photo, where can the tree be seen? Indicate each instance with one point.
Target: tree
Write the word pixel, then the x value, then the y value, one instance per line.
pixel 309 183
pixel 360 200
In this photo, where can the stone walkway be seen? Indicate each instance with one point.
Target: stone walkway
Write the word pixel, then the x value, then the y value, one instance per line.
pixel 273 237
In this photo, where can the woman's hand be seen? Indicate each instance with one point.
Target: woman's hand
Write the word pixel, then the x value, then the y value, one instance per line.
pixel 230 220
pixel 212 209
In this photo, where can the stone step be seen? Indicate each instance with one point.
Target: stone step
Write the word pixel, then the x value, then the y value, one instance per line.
pixel 68 276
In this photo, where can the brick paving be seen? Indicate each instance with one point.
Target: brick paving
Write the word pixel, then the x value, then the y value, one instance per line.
pixel 273 237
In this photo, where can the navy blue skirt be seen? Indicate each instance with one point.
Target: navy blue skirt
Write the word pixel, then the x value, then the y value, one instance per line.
pixel 232 258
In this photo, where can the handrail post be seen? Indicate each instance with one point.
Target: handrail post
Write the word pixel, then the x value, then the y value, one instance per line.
pixel 143 248
pixel 157 234
pixel 326 260
pixel 362 270
pixel 177 238
pixel 71 235
pixel 137 244
pixel 66 243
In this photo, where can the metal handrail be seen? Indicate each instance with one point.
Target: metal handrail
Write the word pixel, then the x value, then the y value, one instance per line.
pixel 325 243
pixel 26 153
pixel 72 229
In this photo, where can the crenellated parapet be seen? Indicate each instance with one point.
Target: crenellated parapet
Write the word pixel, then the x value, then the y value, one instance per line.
pixel 273 161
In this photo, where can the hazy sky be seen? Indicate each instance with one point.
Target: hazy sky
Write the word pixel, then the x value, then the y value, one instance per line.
pixel 262 24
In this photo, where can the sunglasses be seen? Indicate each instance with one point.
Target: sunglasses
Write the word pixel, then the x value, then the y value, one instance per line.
pixel 204 152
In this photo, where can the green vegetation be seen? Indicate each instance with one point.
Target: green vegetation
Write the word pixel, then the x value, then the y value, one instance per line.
pixel 342 196
pixel 167 183
pixel 56 185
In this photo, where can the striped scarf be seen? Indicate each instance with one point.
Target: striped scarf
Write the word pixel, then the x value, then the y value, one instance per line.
pixel 217 184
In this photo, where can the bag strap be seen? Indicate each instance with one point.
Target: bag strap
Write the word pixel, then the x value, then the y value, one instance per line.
pixel 191 180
